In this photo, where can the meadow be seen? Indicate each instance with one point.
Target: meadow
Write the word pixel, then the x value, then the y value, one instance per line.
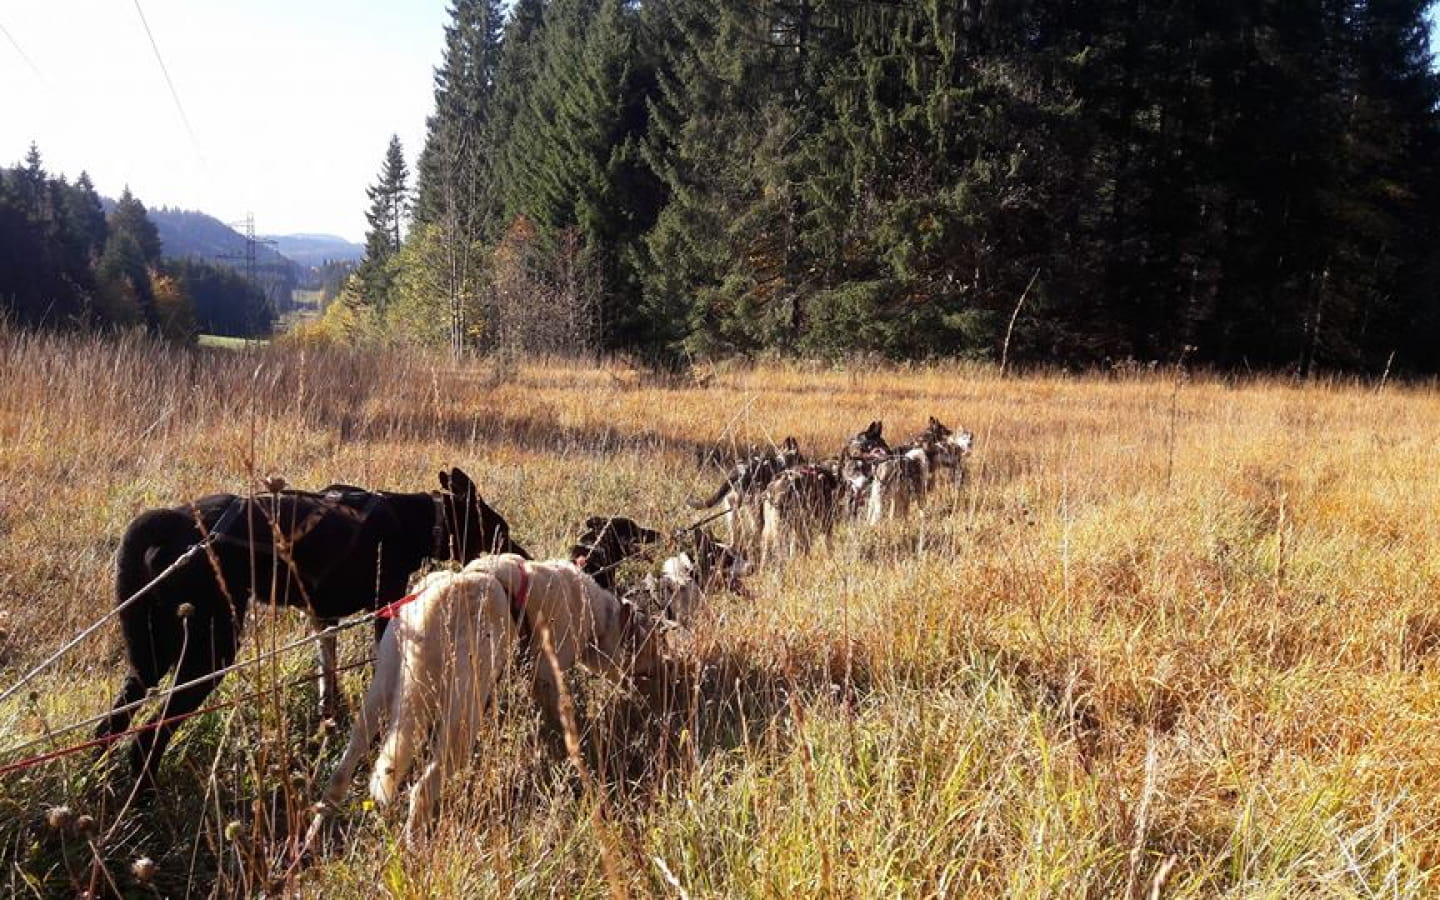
pixel 1175 635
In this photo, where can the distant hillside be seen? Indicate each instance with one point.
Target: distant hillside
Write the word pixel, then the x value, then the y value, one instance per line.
pixel 190 234
pixel 186 232
pixel 314 250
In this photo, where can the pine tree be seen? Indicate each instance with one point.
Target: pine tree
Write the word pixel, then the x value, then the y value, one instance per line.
pixel 130 217
pixel 896 177
pixel 388 206
pixel 30 184
pixel 224 301
pixel 571 157
pixel 86 216
pixel 454 178
pixel 515 75
pixel 131 255
pixel 1110 178
pixel 456 203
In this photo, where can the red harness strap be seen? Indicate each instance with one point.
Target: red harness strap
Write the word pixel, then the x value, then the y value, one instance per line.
pixel 517 606
pixel 517 600
pixel 522 591
pixel 389 610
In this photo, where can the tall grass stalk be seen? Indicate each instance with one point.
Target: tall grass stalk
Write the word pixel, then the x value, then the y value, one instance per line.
pixel 1160 642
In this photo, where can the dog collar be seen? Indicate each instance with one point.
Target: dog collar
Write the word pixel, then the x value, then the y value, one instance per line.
pixel 438 532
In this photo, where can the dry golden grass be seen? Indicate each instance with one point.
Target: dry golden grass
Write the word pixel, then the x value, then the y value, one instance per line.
pixel 1173 637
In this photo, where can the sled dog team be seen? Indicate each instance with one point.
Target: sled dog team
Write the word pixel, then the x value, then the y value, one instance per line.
pixel 345 550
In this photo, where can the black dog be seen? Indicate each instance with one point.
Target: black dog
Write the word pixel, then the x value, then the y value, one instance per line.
pixel 334 553
pixel 606 543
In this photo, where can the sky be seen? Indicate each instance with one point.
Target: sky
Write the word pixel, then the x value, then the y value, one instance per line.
pixel 290 104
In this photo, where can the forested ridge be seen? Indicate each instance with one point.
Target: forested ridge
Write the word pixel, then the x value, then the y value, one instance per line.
pixel 1056 182
pixel 1067 183
pixel 65 262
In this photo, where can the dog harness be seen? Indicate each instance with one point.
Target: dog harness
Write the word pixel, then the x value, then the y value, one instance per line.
pixel 517 603
pixel 337 502
pixel 522 591
pixel 389 610
pixel 517 606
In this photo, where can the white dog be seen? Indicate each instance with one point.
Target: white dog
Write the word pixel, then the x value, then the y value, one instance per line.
pixel 441 658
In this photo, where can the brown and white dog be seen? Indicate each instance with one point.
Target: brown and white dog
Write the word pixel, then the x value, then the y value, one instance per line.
pixel 945 449
pixel 440 661
pixel 743 486
pixel 904 478
pixel 856 465
pixel 799 505
pixel 900 482
pixel 704 567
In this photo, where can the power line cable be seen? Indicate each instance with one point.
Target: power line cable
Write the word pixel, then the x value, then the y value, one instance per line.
pixel 23 55
pixel 169 83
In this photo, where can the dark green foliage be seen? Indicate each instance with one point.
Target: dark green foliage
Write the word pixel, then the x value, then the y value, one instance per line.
pixel 53 237
pixel 225 303
pixel 389 203
pixel 1248 180
pixel 64 263
pixel 454 180
pixel 132 250
pixel 131 218
pixel 570 157
pixel 1116 179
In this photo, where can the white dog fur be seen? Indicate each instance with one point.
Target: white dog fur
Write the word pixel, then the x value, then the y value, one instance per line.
pixel 899 482
pixel 444 652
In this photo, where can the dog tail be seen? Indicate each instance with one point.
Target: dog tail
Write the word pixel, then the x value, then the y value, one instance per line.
pixel 714 498
pixel 154 540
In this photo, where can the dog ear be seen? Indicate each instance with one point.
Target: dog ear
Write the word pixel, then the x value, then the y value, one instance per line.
pixel 444 480
pixel 595 522
pixel 935 423
pixel 873 432
pixel 791 444
pixel 460 483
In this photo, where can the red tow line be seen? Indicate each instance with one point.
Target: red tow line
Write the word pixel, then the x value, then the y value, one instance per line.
pixel 388 610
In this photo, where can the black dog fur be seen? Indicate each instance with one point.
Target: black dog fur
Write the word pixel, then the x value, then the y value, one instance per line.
pixel 335 553
pixel 607 542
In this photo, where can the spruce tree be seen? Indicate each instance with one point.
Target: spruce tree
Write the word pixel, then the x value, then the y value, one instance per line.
pixel 30 184
pixel 571 156
pixel 456 206
pixel 388 206
pixel 131 254
pixel 453 179
pixel 86 216
pixel 131 217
